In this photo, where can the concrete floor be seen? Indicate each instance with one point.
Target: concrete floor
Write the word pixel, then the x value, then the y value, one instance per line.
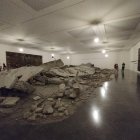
pixel 114 114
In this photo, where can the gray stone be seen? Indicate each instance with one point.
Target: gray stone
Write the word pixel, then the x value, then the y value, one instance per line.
pixel 39 110
pixel 62 87
pixel 73 95
pixel 27 115
pixel 61 114
pixel 67 92
pixel 24 86
pixel 61 109
pixel 10 101
pixel 9 78
pixel 32 117
pixel 66 112
pixel 59 72
pixel 48 109
pixel 33 108
pixel 50 99
pixel 54 81
pixel 60 94
pixel 58 104
pixel 37 98
pixel 57 63
pixel 71 82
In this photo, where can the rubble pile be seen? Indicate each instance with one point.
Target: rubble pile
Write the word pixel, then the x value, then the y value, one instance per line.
pixel 53 90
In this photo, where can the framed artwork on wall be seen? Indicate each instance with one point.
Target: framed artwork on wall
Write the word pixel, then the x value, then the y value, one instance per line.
pixel 16 60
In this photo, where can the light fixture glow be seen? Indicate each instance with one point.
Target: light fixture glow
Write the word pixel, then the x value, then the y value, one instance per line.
pixel 106 85
pixel 68 57
pixel 106 55
pixel 96 116
pixel 103 94
pixel 96 40
pixel 52 55
pixel 21 49
pixel 103 51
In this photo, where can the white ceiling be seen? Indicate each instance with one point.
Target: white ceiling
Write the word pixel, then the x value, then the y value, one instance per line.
pixel 70 26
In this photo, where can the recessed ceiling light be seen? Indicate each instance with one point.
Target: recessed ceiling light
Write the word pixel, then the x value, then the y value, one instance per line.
pixel 106 55
pixel 68 57
pixel 103 51
pixel 21 49
pixel 52 55
pixel 96 40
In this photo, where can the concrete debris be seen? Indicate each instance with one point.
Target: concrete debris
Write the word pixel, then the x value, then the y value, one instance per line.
pixel 61 109
pixel 37 98
pixel 57 63
pixel 9 101
pixel 73 95
pixel 48 109
pixel 39 110
pixel 54 90
pixel 62 88
pixel 66 112
pixel 24 86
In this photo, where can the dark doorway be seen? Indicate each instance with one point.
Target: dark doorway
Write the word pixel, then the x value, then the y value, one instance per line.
pixel 139 60
pixel 16 60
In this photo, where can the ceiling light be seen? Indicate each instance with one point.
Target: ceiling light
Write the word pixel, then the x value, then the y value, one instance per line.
pixel 52 55
pixel 21 49
pixel 106 55
pixel 96 40
pixel 68 57
pixel 103 51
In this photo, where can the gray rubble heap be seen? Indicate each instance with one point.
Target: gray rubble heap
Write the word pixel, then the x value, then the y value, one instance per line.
pixel 55 89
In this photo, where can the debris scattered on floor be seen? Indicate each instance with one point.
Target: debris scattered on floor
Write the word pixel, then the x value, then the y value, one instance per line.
pixel 53 91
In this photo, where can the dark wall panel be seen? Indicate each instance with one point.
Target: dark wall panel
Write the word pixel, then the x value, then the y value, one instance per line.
pixel 16 60
pixel 139 60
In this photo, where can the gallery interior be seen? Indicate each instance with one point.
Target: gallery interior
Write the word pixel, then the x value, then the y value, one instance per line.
pixel 69 69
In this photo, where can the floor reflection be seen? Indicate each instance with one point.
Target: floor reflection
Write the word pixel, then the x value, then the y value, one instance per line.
pixel 116 75
pixel 123 74
pixel 138 85
pixel 96 111
pixel 96 116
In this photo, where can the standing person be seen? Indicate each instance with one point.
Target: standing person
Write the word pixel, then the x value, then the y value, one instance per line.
pixel 116 67
pixel 4 66
pixel 123 66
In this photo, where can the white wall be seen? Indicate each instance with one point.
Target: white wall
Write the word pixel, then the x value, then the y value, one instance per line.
pixel 46 55
pixel 133 53
pixel 98 59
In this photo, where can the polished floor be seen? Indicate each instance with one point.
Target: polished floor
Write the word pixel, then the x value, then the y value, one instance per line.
pixel 114 114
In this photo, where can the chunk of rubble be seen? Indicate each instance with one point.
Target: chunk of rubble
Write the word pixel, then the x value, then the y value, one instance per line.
pixel 9 101
pixel 48 109
pixel 9 78
pixel 57 63
pixel 24 86
pixel 62 87
pixel 61 109
pixel 73 95
pixel 37 98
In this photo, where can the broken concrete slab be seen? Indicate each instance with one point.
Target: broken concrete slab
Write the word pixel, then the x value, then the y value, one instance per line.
pixel 24 86
pixel 36 98
pixel 9 101
pixel 48 109
pixel 9 78
pixel 57 63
